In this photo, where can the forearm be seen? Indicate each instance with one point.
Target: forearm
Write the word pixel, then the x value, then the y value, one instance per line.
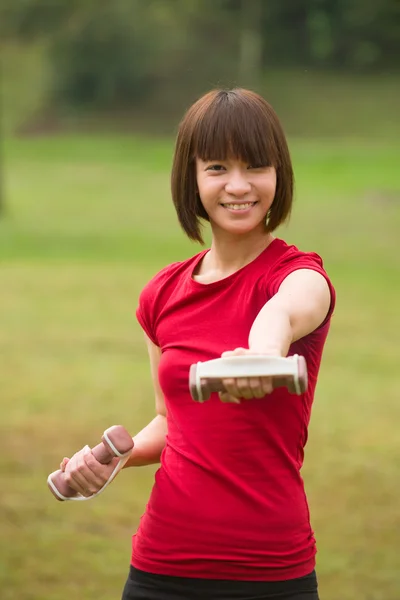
pixel 271 331
pixel 149 443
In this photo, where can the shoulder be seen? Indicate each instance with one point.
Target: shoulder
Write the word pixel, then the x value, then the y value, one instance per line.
pixel 288 259
pixel 167 281
pixel 281 260
pixel 169 274
pixel 284 254
pixel 161 276
pixel 158 290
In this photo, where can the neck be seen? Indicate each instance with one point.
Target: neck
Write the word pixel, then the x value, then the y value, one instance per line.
pixel 228 253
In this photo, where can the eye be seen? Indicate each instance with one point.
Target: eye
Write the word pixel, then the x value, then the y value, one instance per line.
pixel 215 167
pixel 258 167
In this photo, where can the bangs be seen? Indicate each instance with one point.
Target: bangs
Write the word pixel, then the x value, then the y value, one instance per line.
pixel 236 125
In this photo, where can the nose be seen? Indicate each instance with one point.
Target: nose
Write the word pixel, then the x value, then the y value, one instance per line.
pixel 237 183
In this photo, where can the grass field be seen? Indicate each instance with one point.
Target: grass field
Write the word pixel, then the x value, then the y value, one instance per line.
pixel 88 221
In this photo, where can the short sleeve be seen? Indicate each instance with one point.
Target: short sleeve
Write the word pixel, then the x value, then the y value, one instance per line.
pixel 293 261
pixel 145 311
pixel 152 299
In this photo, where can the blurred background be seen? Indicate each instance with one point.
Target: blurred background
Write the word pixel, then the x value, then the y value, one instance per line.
pixel 91 96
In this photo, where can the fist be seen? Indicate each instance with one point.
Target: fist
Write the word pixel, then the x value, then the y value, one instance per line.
pixel 84 474
pixel 240 389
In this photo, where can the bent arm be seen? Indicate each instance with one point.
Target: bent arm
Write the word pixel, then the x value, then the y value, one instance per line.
pixel 298 308
pixel 150 441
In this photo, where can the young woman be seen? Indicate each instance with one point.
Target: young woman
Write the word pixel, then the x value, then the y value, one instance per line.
pixel 228 515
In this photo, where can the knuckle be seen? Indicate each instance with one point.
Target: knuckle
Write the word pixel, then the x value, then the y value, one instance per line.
pixel 228 391
pixel 68 478
pixel 254 383
pixel 89 459
pixel 103 478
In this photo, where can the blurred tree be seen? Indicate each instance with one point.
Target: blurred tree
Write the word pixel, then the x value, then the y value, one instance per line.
pixel 124 53
pixel 2 182
pixel 285 34
pixel 28 19
pixel 251 42
pixel 120 54
pixel 356 34
pixel 102 56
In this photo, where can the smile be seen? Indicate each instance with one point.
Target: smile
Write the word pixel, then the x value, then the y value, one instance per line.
pixel 241 206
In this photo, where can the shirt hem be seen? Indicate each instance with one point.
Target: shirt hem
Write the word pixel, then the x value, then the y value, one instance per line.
pixel 234 572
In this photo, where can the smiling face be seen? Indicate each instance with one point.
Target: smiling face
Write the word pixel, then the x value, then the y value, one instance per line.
pixel 231 165
pixel 235 195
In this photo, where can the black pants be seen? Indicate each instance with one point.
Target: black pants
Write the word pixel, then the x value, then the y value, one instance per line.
pixel 147 586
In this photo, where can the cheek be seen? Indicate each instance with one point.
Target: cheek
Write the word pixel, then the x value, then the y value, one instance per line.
pixel 201 184
pixel 269 188
pixel 208 190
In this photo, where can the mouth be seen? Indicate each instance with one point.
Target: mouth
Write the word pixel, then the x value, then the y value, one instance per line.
pixel 239 206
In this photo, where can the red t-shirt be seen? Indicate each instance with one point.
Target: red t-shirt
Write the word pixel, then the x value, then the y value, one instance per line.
pixel 228 500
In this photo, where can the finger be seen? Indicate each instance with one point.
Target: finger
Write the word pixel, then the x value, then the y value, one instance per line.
pixel 100 473
pixel 266 384
pixel 64 463
pixel 231 388
pixel 236 352
pixel 76 482
pixel 228 399
pixel 75 473
pixel 243 386
pixel 90 483
pixel 256 387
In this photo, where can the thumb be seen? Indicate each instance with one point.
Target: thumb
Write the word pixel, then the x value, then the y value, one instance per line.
pixel 225 397
pixel 111 466
pixel 64 463
pixel 235 352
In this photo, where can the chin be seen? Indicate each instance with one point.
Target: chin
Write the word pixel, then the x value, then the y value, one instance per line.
pixel 243 228
pixel 240 230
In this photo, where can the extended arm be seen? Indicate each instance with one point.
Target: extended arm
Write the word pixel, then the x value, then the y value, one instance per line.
pixel 298 308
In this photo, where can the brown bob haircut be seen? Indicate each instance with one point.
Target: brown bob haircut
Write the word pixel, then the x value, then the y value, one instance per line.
pixel 222 124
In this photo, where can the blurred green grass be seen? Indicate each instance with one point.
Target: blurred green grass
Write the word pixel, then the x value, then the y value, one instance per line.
pixel 88 221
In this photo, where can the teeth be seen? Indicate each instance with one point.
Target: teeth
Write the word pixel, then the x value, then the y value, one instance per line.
pixel 240 206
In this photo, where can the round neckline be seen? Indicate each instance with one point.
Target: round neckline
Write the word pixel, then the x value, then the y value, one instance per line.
pixel 230 277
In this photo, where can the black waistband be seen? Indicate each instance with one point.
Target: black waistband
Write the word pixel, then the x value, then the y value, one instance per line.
pixel 222 588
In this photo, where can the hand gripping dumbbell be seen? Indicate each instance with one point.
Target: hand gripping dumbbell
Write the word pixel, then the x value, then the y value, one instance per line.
pixel 116 441
pixel 207 377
